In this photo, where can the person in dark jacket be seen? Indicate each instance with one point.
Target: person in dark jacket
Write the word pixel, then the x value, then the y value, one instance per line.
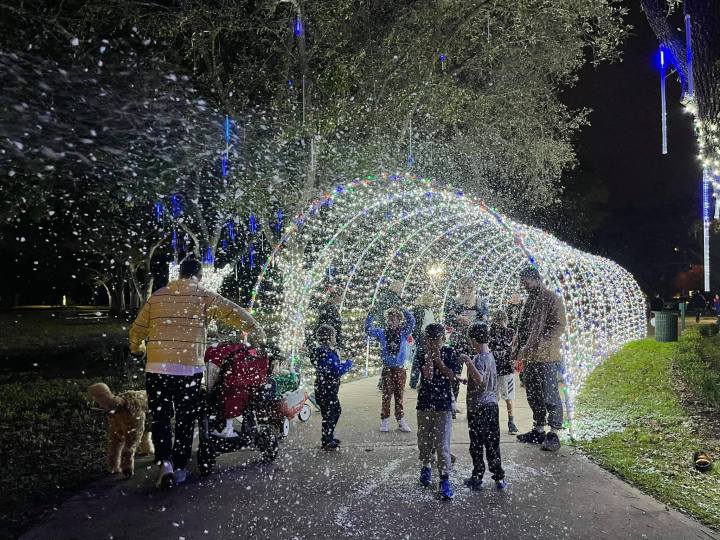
pixel 329 313
pixel 423 317
pixel 502 339
pixel 328 370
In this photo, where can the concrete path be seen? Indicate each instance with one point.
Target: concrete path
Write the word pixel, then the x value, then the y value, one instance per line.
pixel 369 489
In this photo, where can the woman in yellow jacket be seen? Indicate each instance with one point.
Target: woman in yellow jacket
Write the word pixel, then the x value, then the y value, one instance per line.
pixel 173 323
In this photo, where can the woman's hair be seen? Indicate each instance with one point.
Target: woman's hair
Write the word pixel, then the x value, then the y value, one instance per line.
pixel 324 333
pixel 394 312
pixel 434 331
pixel 500 317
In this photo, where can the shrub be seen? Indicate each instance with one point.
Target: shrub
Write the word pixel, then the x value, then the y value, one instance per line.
pixel 698 359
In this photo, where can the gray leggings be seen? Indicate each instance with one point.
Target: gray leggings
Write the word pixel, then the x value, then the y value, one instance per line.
pixel 434 432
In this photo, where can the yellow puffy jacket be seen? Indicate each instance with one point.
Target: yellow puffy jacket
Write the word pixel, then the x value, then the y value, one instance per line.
pixel 174 322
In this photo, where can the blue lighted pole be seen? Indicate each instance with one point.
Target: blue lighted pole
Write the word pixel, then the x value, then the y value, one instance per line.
pixel 663 114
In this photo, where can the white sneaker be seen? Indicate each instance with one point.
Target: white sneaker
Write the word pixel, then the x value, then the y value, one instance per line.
pixel 403 426
pixel 181 475
pixel 227 433
pixel 384 425
pixel 166 477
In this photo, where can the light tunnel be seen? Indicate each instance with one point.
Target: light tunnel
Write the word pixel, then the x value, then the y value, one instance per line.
pixel 427 236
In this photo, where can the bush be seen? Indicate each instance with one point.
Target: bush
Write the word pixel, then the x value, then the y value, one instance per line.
pixel 698 359
pixel 709 330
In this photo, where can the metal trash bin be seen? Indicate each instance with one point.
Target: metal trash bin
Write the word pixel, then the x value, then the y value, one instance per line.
pixel 666 326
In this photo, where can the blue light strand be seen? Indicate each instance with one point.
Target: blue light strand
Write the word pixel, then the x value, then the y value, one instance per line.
pixel 279 220
pixel 158 211
pixel 176 206
pixel 209 258
pixel 298 27
pixel 252 224
pixel 231 229
pixel 689 57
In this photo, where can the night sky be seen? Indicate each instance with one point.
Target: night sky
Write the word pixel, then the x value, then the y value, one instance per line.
pixel 652 200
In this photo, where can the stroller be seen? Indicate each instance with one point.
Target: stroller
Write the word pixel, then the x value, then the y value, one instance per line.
pixel 265 403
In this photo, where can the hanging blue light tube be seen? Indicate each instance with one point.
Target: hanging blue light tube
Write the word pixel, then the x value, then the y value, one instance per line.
pixel 231 229
pixel 689 57
pixel 298 27
pixel 252 224
pixel 279 222
pixel 663 114
pixel 158 212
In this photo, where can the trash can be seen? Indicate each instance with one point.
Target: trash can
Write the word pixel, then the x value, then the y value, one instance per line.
pixel 666 326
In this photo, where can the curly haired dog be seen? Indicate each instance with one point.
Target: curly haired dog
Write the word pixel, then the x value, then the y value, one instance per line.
pixel 126 426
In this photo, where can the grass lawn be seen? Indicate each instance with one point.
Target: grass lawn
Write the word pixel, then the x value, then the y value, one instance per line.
pixel 37 330
pixel 632 420
pixel 52 442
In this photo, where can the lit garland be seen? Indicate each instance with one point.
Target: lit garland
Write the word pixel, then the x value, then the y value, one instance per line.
pixel 426 236
pixel 212 278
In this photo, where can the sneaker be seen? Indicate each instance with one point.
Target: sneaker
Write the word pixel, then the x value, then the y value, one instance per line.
pixel 502 485
pixel 532 437
pixel 384 425
pixel 181 475
pixel 425 476
pixel 336 441
pixel 551 442
pixel 403 426
pixel 227 433
pixel 166 478
pixel 446 491
pixel 475 484
pixel 512 428
pixel 453 458
pixel 330 446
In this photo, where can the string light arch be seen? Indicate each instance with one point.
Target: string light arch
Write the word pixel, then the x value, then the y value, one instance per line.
pixel 425 236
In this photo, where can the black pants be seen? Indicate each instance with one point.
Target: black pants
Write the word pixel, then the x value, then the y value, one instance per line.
pixel 541 385
pixel 326 397
pixel 484 424
pixel 171 396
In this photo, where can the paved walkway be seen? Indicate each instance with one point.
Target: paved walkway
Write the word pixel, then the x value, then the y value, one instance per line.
pixel 369 489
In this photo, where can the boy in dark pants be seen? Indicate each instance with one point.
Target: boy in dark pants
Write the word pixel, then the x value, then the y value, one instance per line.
pixel 328 370
pixel 438 368
pixel 482 410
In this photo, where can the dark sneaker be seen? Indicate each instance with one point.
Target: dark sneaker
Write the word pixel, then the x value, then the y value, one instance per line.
pixel 446 491
pixel 475 484
pixel 337 441
pixel 512 428
pixel 330 446
pixel 502 485
pixel 551 442
pixel 425 476
pixel 532 437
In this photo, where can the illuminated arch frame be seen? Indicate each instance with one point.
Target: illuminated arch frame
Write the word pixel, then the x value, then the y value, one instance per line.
pixel 587 341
